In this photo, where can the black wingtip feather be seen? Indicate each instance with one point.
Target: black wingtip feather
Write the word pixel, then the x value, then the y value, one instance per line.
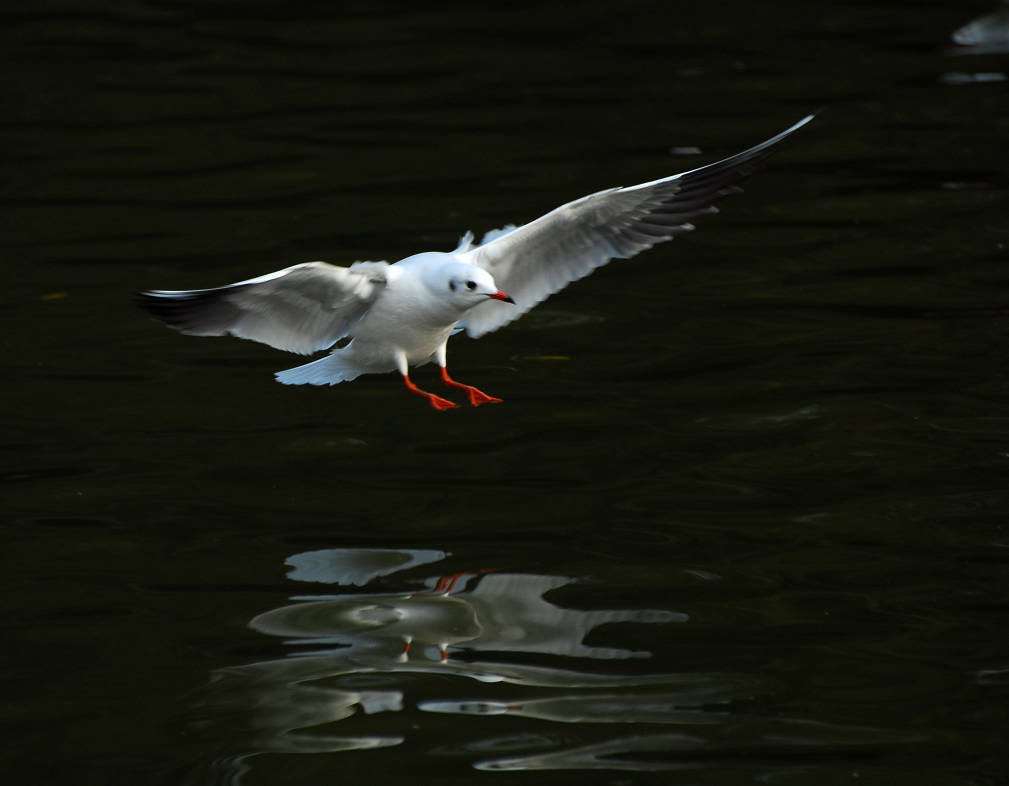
pixel 199 311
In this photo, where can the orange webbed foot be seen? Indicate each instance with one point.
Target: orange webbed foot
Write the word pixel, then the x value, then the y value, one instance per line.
pixel 476 396
pixel 439 403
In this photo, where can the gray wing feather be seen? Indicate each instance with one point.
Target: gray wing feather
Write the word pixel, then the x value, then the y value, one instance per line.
pixel 542 257
pixel 301 309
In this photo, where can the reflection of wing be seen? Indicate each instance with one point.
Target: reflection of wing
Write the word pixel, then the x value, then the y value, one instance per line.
pixel 302 309
pixel 516 616
pixel 986 34
pixel 614 754
pixel 679 701
pixel 356 567
pixel 544 256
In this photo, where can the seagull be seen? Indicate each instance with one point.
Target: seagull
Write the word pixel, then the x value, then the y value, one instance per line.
pixel 378 317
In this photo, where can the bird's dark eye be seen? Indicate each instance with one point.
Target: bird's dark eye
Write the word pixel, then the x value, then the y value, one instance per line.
pixel 451 285
pixel 471 284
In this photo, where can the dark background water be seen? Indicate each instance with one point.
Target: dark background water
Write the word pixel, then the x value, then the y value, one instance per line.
pixel 740 519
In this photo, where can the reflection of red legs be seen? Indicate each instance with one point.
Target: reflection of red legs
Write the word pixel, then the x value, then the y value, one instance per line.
pixel 476 396
pixel 437 402
pixel 408 641
pixel 447 583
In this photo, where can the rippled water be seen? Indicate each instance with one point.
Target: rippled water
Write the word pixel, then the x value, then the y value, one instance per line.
pixel 740 518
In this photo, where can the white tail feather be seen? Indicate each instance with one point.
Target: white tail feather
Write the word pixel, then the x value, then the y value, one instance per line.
pixel 329 370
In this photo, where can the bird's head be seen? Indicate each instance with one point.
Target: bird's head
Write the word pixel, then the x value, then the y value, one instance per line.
pixel 469 285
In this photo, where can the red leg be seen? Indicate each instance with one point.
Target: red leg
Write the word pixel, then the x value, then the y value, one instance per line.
pixel 476 397
pixel 437 402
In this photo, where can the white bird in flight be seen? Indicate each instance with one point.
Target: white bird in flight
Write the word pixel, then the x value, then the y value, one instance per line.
pixel 402 314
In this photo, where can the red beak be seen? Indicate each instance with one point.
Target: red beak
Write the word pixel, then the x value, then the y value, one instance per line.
pixel 499 295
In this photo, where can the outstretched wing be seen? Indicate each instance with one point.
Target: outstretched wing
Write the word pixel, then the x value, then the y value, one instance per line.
pixel 302 309
pixel 542 257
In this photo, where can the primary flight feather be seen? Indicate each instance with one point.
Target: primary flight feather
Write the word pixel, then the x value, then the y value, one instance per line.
pixel 401 315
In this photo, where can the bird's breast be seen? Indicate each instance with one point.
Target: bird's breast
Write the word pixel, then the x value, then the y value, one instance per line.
pixel 399 323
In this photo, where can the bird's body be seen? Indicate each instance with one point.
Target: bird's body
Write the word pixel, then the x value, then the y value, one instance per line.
pixel 401 315
pixel 404 327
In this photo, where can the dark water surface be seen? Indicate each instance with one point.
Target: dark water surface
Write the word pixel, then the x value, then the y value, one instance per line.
pixel 741 518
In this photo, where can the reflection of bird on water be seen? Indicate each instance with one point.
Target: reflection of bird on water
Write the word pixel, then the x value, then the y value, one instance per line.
pixel 356 666
pixel 477 611
pixel 366 648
